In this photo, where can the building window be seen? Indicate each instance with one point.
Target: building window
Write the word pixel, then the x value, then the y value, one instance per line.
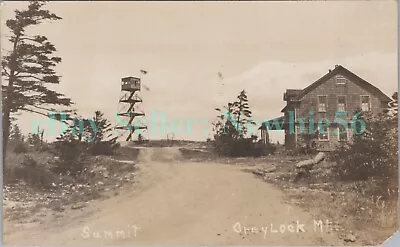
pixel 340 80
pixel 341 103
pixel 343 134
pixel 323 133
pixel 322 103
pixel 365 103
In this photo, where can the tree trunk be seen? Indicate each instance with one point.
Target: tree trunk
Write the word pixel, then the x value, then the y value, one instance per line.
pixel 238 127
pixel 9 100
pixel 6 133
pixel 7 110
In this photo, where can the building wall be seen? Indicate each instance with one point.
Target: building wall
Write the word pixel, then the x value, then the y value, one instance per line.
pixel 264 136
pixel 290 138
pixel 331 89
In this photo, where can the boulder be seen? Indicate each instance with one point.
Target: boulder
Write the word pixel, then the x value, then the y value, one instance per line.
pixel 269 170
pixel 350 238
pixel 77 206
pixel 319 157
pixel 305 163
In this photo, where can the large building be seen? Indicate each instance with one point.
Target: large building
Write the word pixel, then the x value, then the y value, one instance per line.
pixel 324 109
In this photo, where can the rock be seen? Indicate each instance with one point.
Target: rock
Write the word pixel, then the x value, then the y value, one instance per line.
pixel 319 157
pixel 78 206
pixel 105 174
pixel 258 172
pixel 269 170
pixel 305 163
pixel 350 238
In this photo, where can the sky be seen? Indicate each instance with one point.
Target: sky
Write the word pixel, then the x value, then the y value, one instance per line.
pixel 261 47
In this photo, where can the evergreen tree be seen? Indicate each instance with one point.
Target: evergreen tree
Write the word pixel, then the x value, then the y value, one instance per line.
pixel 242 114
pixel 28 68
pixel 15 133
pixel 99 134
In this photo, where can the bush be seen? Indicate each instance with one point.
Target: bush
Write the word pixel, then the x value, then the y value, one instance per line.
pixel 36 139
pixel 17 140
pixel 28 161
pixel 189 153
pixel 241 147
pixel 370 155
pixel 24 168
pixel 306 144
pixel 20 147
pixel 33 176
pixel 73 146
pixel 103 148
pixel 303 150
pixel 269 148
pixel 71 157
pixel 101 141
pixel 231 129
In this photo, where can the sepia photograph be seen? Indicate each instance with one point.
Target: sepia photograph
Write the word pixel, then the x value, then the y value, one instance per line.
pixel 254 123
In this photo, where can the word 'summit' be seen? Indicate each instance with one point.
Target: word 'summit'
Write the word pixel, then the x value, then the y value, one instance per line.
pixel 129 232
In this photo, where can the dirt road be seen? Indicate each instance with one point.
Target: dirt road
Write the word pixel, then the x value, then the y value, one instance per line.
pixel 179 202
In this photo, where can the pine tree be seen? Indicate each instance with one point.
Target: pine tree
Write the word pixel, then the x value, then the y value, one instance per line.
pixel 140 138
pixel 101 138
pixel 15 133
pixel 224 124
pixel 242 113
pixel 28 68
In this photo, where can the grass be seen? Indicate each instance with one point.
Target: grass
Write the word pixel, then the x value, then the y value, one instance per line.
pixel 31 186
pixel 367 209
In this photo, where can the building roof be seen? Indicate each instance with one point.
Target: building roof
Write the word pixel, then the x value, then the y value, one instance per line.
pixel 293 91
pixel 291 94
pixel 272 123
pixel 350 75
pixel 130 78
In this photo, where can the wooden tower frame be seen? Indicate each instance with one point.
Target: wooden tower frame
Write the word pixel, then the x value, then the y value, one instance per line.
pixel 130 86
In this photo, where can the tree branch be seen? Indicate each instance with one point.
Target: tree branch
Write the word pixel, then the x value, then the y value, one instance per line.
pixel 46 115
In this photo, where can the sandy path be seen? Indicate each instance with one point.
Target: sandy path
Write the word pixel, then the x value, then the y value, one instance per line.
pixel 185 203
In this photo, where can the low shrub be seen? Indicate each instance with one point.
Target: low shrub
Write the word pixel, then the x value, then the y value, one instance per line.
pixel 28 161
pixel 103 148
pixel 372 154
pixel 71 157
pixel 189 153
pixel 33 176
pixel 242 147
pixel 25 168
pixel 20 147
